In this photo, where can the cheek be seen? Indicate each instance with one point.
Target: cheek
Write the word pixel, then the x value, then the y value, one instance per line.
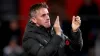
pixel 40 21
pixel 43 22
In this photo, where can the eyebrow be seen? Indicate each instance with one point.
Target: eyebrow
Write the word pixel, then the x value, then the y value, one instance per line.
pixel 43 14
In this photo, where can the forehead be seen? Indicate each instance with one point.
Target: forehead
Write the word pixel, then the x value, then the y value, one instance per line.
pixel 42 11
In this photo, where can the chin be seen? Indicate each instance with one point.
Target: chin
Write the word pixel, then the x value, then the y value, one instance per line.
pixel 47 26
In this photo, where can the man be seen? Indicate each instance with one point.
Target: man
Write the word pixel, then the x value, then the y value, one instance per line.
pixel 42 39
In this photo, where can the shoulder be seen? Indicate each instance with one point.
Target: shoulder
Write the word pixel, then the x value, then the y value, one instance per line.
pixel 30 35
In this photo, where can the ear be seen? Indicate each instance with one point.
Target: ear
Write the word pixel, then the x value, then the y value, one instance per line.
pixel 34 20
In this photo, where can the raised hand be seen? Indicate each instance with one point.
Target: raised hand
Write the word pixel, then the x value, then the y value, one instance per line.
pixel 76 22
pixel 57 27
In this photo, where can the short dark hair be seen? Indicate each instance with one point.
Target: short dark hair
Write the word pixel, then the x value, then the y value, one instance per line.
pixel 36 7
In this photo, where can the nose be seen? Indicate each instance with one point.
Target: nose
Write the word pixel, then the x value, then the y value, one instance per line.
pixel 47 17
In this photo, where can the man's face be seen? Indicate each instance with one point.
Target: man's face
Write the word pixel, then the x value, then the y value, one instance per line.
pixel 42 17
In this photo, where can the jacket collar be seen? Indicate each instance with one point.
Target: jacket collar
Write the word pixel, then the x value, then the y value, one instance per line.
pixel 41 29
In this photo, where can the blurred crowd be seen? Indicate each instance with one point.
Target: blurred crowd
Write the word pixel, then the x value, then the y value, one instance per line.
pixel 11 37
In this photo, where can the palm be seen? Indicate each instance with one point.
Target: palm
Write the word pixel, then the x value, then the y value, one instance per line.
pixel 75 25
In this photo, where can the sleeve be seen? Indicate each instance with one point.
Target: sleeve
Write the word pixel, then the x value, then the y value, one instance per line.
pixel 75 41
pixel 33 47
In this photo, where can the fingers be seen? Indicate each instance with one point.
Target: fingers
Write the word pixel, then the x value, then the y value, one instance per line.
pixel 57 20
pixel 76 19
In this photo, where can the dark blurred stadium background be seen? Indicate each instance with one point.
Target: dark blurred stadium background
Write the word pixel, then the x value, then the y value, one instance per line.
pixel 14 17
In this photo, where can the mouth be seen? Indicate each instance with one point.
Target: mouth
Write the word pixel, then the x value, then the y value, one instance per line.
pixel 47 21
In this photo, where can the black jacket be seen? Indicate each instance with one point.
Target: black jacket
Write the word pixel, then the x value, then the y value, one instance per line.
pixel 39 41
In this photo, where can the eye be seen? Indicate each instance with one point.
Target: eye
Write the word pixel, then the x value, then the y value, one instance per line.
pixel 43 15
